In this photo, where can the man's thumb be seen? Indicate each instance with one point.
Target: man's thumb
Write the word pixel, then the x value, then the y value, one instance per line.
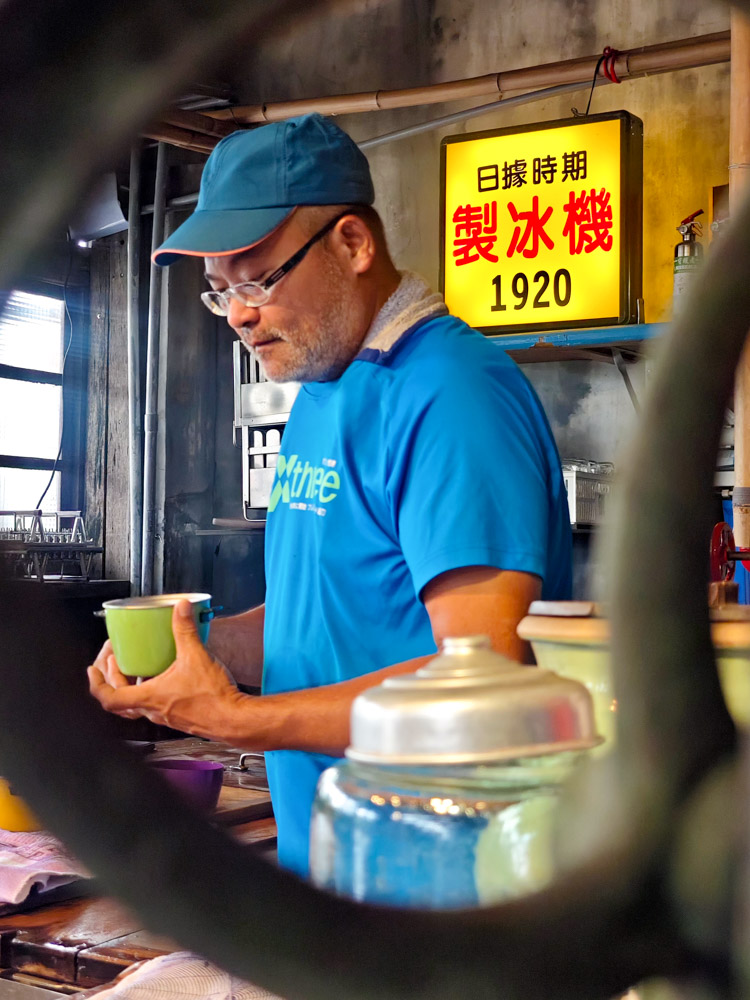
pixel 183 623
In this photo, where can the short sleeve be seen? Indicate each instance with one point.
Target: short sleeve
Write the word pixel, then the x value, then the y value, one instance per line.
pixel 469 469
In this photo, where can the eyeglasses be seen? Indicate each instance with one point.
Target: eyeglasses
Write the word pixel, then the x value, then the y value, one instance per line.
pixel 257 293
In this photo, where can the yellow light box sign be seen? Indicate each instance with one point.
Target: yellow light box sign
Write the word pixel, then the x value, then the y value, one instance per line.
pixel 542 225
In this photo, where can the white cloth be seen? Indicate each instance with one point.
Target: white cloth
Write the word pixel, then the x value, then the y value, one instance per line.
pixel 412 301
pixel 33 859
pixel 181 976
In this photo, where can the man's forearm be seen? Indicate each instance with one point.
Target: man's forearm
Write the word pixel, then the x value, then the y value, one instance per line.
pixel 315 720
pixel 238 643
pixel 472 601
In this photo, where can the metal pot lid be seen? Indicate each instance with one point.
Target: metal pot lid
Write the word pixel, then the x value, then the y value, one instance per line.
pixel 470 705
pixel 155 601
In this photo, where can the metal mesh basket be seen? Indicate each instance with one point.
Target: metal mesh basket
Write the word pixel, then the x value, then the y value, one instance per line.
pixel 587 493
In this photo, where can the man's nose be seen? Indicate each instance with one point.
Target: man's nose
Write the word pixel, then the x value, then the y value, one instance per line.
pixel 241 315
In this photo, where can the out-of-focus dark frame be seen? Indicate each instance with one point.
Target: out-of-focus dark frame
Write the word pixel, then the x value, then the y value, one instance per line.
pixel 657 837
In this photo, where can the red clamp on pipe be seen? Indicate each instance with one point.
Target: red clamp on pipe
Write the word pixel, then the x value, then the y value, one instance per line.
pixel 745 562
pixel 609 57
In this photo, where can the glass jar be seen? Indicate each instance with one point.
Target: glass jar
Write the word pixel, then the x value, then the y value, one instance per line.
pixel 437 837
pixel 452 778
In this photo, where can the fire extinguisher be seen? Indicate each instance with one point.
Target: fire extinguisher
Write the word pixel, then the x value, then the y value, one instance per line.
pixel 688 253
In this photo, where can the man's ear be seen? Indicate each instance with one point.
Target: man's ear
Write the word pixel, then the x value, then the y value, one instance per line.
pixel 357 242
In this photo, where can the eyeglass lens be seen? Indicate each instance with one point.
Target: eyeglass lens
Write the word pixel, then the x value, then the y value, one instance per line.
pixel 251 293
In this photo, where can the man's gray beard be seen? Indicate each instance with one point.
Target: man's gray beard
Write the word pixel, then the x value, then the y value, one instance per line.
pixel 321 361
pixel 315 366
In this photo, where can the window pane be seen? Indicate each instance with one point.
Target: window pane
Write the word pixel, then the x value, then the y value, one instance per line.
pixel 29 419
pixel 20 489
pixel 31 332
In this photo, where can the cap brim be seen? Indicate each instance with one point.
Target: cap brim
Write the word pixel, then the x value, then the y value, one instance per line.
pixel 219 233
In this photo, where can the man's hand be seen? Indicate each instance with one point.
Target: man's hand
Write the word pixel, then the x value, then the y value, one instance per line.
pixel 193 695
pixel 104 673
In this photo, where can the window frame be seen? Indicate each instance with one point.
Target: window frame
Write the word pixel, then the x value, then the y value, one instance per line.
pixel 73 391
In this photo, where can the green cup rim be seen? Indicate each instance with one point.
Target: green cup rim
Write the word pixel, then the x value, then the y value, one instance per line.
pixel 153 602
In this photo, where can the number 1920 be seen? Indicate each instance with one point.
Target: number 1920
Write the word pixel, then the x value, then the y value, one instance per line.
pixel 520 287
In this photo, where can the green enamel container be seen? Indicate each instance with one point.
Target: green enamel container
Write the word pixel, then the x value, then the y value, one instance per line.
pixel 574 642
pixel 140 629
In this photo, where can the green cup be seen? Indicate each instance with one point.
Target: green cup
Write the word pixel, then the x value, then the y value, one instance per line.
pixel 140 629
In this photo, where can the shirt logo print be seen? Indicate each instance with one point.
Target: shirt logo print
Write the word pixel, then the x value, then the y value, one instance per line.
pixel 304 486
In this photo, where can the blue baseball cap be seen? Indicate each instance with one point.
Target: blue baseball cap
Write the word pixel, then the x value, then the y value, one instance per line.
pixel 254 179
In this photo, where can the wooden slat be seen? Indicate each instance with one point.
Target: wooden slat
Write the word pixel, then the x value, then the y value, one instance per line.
pixel 117 495
pixel 97 399
pixel 101 963
pixel 259 833
pixel 240 805
pixel 67 989
pixel 193 121
pixel 188 387
pixel 106 492
pixel 46 942
pixel 180 137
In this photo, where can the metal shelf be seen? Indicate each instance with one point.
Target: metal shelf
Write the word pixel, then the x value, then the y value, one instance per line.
pixel 598 344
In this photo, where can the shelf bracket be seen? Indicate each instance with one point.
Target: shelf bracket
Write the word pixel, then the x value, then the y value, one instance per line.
pixel 621 366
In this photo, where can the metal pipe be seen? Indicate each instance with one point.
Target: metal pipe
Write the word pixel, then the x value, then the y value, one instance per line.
pixel 685 53
pixel 152 379
pixel 135 423
pixel 460 116
pixel 739 181
pixel 174 204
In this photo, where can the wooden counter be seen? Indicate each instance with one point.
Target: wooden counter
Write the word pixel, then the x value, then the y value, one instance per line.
pixel 86 942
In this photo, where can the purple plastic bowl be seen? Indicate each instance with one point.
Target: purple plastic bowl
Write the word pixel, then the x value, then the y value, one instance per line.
pixel 198 781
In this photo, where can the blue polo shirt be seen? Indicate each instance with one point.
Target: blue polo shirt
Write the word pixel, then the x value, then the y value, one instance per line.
pixel 431 456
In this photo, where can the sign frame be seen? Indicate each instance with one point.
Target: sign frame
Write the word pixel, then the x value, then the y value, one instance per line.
pixel 631 218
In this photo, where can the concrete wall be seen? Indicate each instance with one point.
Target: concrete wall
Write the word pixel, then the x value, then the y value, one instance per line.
pixel 365 45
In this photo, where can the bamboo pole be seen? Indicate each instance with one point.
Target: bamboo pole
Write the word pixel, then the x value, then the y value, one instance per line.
pixel 703 50
pixel 739 181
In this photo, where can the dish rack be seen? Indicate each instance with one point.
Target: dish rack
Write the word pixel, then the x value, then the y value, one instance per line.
pixel 587 485
pixel 42 545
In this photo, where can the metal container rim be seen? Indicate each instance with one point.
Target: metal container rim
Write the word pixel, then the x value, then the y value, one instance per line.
pixel 483 757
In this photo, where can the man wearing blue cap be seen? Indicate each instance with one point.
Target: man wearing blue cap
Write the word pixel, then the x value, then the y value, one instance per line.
pixel 418 492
